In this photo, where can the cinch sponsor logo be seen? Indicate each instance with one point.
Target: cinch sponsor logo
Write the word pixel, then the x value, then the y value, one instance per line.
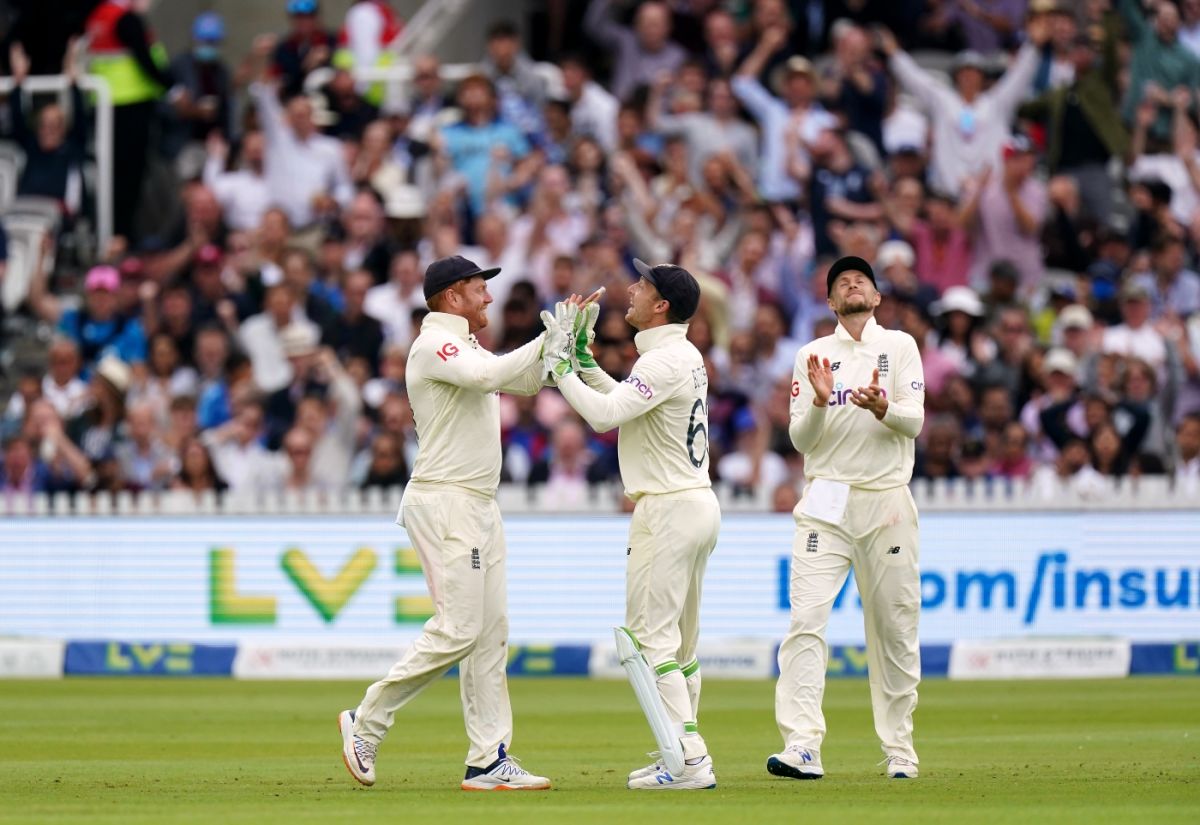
pixel 641 386
pixel 841 395
pixel 1053 584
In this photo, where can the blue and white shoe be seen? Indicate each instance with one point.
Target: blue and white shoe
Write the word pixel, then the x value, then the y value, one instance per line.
pixel 900 767
pixel 357 753
pixel 698 777
pixel 654 767
pixel 796 762
pixel 505 774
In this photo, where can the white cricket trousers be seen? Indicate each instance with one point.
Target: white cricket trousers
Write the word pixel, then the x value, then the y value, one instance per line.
pixel 878 537
pixel 671 537
pixel 459 539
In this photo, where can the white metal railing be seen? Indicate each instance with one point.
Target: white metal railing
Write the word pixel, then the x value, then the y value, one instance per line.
pixel 104 137
pixel 1148 493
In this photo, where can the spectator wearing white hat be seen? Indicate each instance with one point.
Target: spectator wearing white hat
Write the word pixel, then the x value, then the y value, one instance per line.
pixel 1059 379
pixel 895 261
pixel 960 321
pixel 261 336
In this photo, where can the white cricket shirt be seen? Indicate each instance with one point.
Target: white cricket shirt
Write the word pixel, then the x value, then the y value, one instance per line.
pixel 845 443
pixel 661 408
pixel 452 385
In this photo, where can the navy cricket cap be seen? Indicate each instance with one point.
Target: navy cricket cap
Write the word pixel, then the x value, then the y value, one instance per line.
pixel 675 284
pixel 446 272
pixel 848 264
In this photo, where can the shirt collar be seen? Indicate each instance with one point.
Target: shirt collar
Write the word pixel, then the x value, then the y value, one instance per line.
pixel 446 322
pixel 870 332
pixel 655 337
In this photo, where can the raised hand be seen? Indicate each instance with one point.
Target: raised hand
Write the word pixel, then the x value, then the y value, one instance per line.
pixel 871 397
pixel 558 349
pixel 820 375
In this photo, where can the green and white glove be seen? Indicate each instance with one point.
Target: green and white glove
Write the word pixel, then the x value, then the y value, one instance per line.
pixel 585 334
pixel 558 349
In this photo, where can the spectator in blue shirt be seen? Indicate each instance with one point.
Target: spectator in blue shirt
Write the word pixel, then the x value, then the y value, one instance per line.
pixel 490 153
pixel 97 327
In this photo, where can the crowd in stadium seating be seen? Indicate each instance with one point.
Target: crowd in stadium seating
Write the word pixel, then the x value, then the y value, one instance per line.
pixel 1025 178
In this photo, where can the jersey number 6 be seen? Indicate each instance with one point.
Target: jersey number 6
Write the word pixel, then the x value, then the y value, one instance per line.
pixel 695 428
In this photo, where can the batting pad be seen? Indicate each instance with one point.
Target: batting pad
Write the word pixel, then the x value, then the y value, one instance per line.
pixel 645 687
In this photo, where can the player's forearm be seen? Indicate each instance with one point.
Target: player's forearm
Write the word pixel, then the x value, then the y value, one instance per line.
pixel 806 427
pixel 598 380
pixel 601 412
pixel 904 417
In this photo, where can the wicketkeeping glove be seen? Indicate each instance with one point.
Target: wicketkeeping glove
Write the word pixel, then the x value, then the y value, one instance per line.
pixel 585 333
pixel 559 347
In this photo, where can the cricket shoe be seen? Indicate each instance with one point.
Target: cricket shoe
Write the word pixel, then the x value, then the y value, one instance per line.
pixel 357 753
pixel 698 777
pixel 899 767
pixel 505 774
pixel 796 762
pixel 654 767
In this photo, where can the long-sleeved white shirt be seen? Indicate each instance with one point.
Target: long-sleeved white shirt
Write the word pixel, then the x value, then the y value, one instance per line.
pixel 661 408
pixel 244 196
pixel 966 138
pixel 452 385
pixel 845 443
pixel 299 170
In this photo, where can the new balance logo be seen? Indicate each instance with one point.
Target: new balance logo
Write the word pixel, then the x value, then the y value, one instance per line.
pixel 834 366
pixel 474 558
pixel 811 545
pixel 663 778
pixel 805 756
pixel 882 364
pixel 894 551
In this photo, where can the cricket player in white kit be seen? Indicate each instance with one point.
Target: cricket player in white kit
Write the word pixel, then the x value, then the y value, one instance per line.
pixel 450 513
pixel 662 412
pixel 858 403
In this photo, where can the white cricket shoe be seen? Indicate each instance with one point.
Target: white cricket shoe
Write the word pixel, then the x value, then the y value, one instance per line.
pixel 698 777
pixel 505 774
pixel 654 767
pixel 357 753
pixel 899 767
pixel 796 762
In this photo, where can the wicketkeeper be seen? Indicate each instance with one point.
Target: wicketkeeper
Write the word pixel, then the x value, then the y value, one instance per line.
pixel 662 412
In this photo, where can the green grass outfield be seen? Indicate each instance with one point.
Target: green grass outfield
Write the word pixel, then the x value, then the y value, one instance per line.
pixel 193 750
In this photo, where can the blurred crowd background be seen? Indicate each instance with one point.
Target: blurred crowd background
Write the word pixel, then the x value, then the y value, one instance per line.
pixel 1024 176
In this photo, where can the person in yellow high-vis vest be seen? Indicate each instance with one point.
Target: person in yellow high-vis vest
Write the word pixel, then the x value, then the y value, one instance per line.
pixel 125 53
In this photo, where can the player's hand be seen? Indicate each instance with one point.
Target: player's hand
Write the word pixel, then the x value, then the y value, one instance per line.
pixel 585 329
pixel 18 62
pixel 820 375
pixel 871 397
pixel 558 348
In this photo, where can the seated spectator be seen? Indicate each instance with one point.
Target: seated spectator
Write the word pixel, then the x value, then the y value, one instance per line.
pixel 1160 62
pixel 96 328
pixel 196 472
pixel 1071 471
pixel 238 447
pixel 941 246
pixel 1172 286
pixel 522 90
pixel 62 385
pixel 261 337
pixel 20 470
pixel 95 428
pixel 388 467
pixel 67 468
pixel 391 303
pixel 206 105
pixel 565 473
pixel 146 462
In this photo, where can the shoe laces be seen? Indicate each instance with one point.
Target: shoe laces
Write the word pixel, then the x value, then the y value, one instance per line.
pixel 800 750
pixel 897 760
pixel 511 766
pixel 364 750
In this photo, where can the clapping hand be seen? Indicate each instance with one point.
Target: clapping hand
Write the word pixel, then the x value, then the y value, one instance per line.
pixel 820 375
pixel 871 397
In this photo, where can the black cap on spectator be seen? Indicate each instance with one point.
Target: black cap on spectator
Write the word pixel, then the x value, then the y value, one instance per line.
pixel 446 272
pixel 850 263
pixel 675 284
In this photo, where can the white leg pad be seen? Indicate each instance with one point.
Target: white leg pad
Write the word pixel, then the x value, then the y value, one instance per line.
pixel 645 686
